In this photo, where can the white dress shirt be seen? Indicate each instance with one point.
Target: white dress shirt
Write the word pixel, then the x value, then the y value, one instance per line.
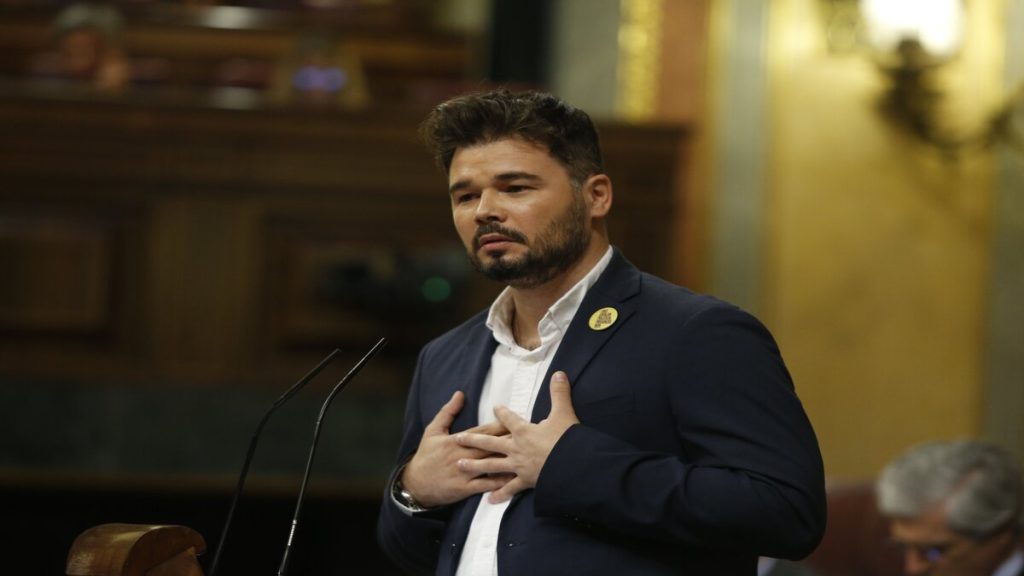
pixel 514 380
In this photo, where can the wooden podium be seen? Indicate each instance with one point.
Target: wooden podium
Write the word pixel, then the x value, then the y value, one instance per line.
pixel 136 550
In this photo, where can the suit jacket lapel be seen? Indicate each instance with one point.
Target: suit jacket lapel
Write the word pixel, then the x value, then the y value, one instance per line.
pixel 479 350
pixel 615 289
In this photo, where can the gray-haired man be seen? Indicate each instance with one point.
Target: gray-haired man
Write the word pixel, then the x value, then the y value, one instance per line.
pixel 955 509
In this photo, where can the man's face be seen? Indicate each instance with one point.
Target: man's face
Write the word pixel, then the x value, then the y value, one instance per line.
pixel 931 547
pixel 518 215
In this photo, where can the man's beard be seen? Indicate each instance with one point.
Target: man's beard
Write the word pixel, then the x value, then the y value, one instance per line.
pixel 551 253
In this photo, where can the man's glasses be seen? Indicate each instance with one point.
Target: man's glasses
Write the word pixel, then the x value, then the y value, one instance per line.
pixel 930 552
pixel 934 551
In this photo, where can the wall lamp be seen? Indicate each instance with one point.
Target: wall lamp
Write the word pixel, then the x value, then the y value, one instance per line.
pixel 912 41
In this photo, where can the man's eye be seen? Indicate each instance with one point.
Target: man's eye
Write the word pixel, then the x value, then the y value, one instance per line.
pixel 463 198
pixel 515 188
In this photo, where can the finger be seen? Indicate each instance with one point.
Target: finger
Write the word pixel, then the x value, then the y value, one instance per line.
pixel 465 452
pixel 506 492
pixel 489 483
pixel 478 466
pixel 561 394
pixel 446 415
pixel 460 451
pixel 509 419
pixel 495 428
pixel 483 442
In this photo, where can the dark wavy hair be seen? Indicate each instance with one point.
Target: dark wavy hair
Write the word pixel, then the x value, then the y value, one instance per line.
pixel 537 117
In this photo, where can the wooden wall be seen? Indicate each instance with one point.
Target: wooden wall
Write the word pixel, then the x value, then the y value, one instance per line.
pixel 142 240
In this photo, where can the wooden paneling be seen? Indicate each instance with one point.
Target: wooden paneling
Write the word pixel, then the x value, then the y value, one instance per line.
pixel 170 242
pixel 70 273
pixel 59 276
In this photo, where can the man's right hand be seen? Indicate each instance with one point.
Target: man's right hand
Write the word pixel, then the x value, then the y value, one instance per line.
pixel 432 475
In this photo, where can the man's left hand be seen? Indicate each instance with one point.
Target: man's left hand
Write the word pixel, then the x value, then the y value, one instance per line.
pixel 526 447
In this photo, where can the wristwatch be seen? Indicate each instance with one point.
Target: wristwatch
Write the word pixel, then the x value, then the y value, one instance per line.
pixel 403 496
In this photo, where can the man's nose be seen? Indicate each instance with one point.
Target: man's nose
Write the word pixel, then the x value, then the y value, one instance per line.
pixel 489 207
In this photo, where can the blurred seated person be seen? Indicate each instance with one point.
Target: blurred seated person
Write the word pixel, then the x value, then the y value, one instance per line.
pixel 320 73
pixel 87 49
pixel 954 508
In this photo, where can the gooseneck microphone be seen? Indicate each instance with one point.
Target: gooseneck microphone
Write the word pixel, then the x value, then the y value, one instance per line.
pixel 252 450
pixel 312 449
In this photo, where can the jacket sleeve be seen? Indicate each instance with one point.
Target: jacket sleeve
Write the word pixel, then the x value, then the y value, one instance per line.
pixel 411 541
pixel 748 472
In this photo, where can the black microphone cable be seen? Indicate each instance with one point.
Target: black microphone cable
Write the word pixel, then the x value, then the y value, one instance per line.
pixel 312 449
pixel 252 450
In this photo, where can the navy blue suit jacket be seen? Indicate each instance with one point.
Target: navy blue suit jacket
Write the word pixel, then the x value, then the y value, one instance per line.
pixel 693 454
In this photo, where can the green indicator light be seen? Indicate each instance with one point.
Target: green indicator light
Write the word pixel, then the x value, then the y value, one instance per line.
pixel 436 289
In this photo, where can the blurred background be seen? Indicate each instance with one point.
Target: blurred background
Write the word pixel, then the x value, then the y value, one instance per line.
pixel 200 200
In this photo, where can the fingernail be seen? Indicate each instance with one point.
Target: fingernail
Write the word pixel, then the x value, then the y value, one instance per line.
pixel 559 377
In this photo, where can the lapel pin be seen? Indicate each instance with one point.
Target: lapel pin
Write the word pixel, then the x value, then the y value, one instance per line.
pixel 603 318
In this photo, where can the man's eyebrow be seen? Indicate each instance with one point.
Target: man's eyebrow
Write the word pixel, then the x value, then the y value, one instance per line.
pixel 458 185
pixel 506 176
pixel 503 177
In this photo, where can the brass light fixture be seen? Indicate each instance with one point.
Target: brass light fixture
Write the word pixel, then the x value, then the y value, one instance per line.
pixel 911 41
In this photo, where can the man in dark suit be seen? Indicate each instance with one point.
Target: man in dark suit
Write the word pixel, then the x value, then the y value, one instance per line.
pixel 596 419
pixel 955 509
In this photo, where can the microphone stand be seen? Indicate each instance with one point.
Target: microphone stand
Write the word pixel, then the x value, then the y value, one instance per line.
pixel 252 450
pixel 312 449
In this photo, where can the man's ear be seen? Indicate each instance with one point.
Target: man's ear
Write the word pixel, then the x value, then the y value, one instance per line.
pixel 597 191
